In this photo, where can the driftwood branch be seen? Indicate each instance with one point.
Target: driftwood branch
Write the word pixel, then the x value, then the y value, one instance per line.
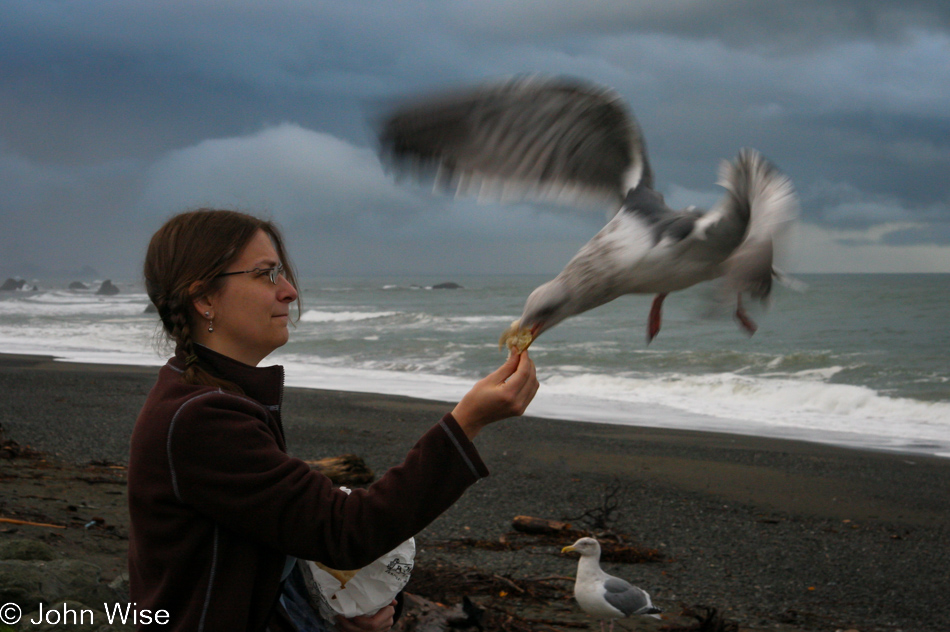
pixel 539 526
pixel 31 524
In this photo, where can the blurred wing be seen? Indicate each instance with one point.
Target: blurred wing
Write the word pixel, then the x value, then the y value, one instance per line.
pixel 773 207
pixel 549 139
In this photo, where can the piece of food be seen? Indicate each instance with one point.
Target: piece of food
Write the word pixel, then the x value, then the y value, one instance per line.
pixel 340 576
pixel 516 338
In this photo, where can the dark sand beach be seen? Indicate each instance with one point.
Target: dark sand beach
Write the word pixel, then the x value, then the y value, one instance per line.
pixel 774 534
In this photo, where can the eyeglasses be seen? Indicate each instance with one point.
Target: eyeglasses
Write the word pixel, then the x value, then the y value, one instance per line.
pixel 270 273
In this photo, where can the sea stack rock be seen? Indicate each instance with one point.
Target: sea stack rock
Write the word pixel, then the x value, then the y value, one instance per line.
pixel 78 285
pixel 448 285
pixel 107 289
pixel 12 284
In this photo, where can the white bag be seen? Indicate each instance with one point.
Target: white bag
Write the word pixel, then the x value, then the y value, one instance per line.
pixel 373 587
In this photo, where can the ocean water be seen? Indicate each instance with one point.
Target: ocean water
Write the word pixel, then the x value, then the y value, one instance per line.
pixel 857 360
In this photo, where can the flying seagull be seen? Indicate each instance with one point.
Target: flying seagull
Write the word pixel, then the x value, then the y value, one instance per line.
pixel 603 595
pixel 565 140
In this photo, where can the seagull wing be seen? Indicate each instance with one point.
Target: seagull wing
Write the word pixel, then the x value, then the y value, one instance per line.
pixel 543 138
pixel 626 597
pixel 773 207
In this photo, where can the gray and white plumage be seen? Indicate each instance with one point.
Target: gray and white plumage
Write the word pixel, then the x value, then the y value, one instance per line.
pixel 565 140
pixel 605 596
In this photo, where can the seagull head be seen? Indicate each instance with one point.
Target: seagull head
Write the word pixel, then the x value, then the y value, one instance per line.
pixel 546 306
pixel 587 547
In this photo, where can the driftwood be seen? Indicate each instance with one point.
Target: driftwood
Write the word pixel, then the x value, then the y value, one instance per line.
pixel 614 547
pixel 347 469
pixel 31 524
pixel 539 526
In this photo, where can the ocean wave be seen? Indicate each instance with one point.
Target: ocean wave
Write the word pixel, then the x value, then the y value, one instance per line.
pixel 316 316
pixel 799 402
pixel 70 304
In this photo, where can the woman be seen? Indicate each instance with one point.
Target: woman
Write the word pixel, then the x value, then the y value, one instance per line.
pixel 219 511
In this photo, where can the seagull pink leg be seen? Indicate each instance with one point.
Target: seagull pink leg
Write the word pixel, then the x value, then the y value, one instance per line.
pixel 744 321
pixel 653 324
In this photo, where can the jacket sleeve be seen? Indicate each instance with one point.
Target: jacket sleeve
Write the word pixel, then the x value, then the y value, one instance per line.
pixel 225 462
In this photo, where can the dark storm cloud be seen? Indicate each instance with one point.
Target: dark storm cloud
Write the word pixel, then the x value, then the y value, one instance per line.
pixel 114 115
pixel 776 24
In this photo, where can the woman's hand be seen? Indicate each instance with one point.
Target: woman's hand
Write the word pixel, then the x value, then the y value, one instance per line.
pixel 504 393
pixel 379 622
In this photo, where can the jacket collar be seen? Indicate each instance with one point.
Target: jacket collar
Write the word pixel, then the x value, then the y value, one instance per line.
pixel 264 384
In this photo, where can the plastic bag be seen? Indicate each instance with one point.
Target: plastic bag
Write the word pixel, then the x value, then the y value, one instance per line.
pixel 371 588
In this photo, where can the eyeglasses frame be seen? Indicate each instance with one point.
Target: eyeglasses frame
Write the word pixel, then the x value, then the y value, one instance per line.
pixel 272 273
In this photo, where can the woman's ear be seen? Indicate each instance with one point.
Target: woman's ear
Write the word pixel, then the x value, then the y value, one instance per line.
pixel 201 300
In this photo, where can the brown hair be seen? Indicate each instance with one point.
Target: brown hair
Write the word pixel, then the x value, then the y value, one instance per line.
pixel 183 260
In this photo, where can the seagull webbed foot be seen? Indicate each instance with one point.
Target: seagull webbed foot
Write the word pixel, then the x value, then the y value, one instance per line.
pixel 743 318
pixel 653 324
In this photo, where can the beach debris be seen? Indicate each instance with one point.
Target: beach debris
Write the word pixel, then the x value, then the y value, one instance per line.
pixel 540 532
pixel 10 449
pixel 482 601
pixel 708 619
pixel 423 615
pixel 605 596
pixel 601 517
pixel 344 469
pixel 444 583
pixel 530 524
pixel 30 524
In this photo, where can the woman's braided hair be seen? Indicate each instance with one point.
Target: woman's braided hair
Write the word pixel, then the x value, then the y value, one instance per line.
pixel 183 260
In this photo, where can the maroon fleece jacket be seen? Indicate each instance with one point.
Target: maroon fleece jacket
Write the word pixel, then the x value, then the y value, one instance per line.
pixel 216 503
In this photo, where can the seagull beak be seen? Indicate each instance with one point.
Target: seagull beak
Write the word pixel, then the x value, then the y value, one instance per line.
pixel 568 549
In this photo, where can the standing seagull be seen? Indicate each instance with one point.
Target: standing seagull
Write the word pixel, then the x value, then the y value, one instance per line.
pixel 603 595
pixel 564 140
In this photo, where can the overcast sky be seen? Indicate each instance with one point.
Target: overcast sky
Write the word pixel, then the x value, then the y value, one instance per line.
pixel 116 114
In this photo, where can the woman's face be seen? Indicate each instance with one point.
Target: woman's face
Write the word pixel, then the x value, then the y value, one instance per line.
pixel 250 314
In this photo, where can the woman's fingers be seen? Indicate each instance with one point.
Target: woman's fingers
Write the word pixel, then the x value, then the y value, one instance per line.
pixel 379 622
pixel 506 370
pixel 524 374
pixel 506 392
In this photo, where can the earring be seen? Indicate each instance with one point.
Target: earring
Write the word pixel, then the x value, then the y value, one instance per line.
pixel 210 325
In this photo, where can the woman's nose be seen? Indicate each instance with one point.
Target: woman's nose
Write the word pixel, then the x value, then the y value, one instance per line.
pixel 288 293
